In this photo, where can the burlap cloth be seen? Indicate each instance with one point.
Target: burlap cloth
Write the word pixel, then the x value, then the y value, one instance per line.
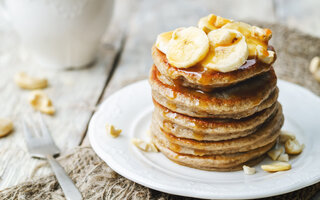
pixel 97 181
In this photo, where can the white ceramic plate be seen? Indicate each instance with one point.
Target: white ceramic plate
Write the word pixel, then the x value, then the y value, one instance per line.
pixel 130 109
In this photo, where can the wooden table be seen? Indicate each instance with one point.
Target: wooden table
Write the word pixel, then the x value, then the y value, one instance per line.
pixel 124 58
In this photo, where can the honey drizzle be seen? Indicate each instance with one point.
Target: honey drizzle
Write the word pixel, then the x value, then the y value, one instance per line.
pixel 205 98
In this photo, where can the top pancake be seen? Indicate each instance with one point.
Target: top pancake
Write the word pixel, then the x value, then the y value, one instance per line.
pixel 206 79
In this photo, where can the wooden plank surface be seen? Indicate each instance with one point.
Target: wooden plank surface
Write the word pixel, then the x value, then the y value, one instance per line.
pixel 74 93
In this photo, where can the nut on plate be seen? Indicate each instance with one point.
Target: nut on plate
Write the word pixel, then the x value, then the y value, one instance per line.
pixel 248 170
pixel 144 146
pixel 6 127
pixel 275 153
pixel 285 135
pixel 25 81
pixel 276 166
pixel 283 157
pixel 293 146
pixel 41 102
pixel 114 132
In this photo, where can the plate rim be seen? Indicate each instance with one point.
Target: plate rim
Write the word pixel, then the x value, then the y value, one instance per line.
pixel 153 185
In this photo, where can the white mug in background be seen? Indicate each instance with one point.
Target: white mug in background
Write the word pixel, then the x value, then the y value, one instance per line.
pixel 60 33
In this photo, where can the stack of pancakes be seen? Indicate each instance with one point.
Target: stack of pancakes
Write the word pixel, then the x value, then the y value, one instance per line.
pixel 211 120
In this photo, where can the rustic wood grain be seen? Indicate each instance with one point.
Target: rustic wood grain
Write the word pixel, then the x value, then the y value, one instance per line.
pixel 74 93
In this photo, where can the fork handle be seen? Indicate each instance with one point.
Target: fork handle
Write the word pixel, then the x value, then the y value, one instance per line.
pixel 68 187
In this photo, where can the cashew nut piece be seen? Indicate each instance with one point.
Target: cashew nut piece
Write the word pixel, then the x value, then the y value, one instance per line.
pixel 6 127
pixel 41 102
pixel 114 132
pixel 293 146
pixel 31 83
pixel 315 68
pixel 248 170
pixel 144 146
pixel 285 135
pixel 276 166
pixel 275 153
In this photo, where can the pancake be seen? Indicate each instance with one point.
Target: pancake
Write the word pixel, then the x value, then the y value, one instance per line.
pixel 238 101
pixel 209 128
pixel 224 162
pixel 206 79
pixel 266 134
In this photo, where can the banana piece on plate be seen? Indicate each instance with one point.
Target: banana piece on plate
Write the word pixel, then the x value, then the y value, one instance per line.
pixel 163 40
pixel 256 38
pixel 228 50
pixel 187 47
pixel 212 22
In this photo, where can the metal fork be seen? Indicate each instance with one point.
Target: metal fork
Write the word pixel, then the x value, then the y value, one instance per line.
pixel 41 145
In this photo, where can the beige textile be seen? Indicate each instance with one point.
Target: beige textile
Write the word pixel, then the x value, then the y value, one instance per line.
pixel 97 181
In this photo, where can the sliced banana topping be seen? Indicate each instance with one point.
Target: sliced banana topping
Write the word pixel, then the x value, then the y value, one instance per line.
pixel 212 22
pixel 256 38
pixel 162 41
pixel 218 43
pixel 228 50
pixel 187 47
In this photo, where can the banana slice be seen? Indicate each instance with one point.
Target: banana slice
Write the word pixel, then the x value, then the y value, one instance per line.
pixel 162 41
pixel 228 50
pixel 212 22
pixel 187 47
pixel 256 38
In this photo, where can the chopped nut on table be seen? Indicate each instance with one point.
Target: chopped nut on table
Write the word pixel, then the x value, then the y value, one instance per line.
pixel 114 132
pixel 293 146
pixel 144 146
pixel 27 82
pixel 275 153
pixel 285 135
pixel 315 67
pixel 248 170
pixel 276 166
pixel 6 127
pixel 283 157
pixel 41 102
